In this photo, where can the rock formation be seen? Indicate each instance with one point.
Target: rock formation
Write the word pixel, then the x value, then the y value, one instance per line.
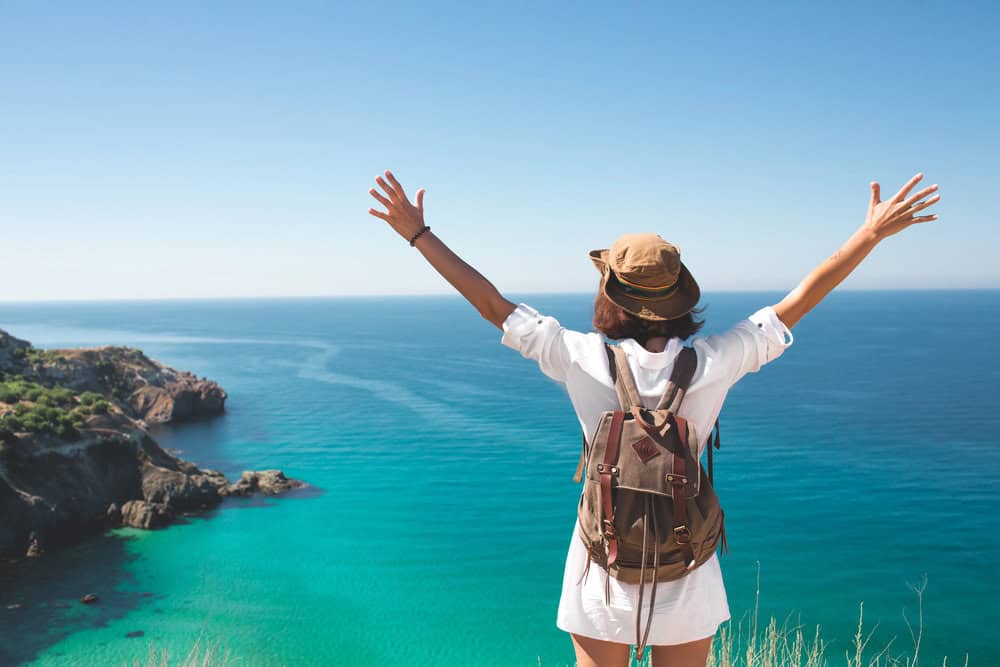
pixel 142 387
pixel 268 482
pixel 75 455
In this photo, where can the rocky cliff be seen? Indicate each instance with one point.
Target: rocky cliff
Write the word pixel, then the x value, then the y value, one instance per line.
pixel 140 387
pixel 75 455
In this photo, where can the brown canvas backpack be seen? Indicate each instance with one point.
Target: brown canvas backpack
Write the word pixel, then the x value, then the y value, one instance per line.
pixel 648 512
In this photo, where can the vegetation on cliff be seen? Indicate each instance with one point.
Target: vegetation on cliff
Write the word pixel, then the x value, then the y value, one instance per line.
pixel 31 407
pixel 75 453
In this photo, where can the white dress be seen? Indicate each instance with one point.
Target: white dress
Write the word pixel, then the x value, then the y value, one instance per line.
pixel 693 606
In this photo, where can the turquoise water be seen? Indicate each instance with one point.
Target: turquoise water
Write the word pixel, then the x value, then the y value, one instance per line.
pixel 860 461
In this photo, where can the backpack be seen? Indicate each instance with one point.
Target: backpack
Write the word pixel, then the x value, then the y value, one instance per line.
pixel 648 512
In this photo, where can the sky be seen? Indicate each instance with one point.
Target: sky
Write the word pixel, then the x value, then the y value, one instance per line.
pixel 188 150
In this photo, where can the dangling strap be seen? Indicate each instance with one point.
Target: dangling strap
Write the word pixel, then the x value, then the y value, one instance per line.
pixel 586 570
pixel 639 646
pixel 640 642
pixel 712 444
pixel 725 544
pixel 578 475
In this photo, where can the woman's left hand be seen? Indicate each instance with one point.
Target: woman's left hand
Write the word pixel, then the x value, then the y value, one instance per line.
pixel 403 216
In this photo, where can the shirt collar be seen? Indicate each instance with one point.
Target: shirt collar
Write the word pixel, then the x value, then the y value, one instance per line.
pixel 649 359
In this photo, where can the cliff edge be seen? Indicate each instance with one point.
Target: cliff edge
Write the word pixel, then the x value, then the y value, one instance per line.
pixel 75 455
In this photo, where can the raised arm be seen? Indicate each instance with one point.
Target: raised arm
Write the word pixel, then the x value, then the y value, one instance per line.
pixel 884 219
pixel 408 221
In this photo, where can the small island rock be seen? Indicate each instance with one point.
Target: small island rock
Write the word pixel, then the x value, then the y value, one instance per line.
pixel 268 482
pixel 142 514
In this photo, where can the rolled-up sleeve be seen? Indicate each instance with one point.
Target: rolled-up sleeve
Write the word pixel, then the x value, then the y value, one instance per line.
pixel 746 347
pixel 542 338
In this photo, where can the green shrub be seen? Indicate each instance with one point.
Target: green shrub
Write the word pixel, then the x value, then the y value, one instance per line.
pixel 42 419
pixel 89 397
pixel 35 422
pixel 41 409
pixel 61 395
pixel 101 407
pixel 11 423
pixel 66 431
pixel 35 356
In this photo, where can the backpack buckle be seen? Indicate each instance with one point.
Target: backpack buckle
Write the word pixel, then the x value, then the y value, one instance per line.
pixel 682 533
pixel 677 479
pixel 602 468
pixel 609 528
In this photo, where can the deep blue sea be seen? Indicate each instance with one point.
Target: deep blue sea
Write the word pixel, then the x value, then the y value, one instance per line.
pixel 861 461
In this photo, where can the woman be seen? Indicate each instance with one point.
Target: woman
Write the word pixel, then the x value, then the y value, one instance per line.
pixel 647 300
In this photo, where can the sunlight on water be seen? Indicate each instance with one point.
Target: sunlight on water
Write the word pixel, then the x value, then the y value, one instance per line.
pixel 443 462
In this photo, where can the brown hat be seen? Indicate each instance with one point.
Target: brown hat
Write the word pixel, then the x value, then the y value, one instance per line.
pixel 643 274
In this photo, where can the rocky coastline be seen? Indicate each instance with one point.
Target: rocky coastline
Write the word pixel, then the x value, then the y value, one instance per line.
pixel 76 456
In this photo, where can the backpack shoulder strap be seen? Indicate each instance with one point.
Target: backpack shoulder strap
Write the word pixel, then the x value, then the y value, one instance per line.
pixel 628 393
pixel 680 379
pixel 623 398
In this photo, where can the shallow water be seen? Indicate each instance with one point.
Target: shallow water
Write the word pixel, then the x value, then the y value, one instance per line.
pixel 858 462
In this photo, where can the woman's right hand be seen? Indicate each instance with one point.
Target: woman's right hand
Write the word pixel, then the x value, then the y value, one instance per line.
pixel 403 216
pixel 886 218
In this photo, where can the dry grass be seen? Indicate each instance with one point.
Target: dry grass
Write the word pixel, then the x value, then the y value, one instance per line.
pixel 742 644
pixel 748 644
pixel 202 654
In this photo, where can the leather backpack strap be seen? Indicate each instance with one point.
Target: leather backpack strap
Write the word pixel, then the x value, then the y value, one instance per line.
pixel 625 381
pixel 712 444
pixel 678 480
pixel 616 379
pixel 578 475
pixel 622 400
pixel 680 379
pixel 607 469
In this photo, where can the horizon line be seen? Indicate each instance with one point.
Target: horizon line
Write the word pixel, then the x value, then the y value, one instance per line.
pixel 179 299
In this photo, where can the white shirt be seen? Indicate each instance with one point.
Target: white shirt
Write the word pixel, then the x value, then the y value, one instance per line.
pixel 692 607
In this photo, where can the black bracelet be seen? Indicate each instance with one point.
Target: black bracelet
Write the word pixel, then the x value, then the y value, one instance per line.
pixel 419 234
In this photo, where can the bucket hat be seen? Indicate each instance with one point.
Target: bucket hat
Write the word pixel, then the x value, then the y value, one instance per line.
pixel 644 274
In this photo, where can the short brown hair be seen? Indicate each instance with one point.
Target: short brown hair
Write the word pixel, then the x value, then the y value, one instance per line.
pixel 617 323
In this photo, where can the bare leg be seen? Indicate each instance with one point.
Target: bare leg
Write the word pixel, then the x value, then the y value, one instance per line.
pixel 597 653
pixel 691 654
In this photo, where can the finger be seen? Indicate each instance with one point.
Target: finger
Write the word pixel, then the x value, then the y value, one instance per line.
pixel 925 218
pixel 379 214
pixel 875 195
pixel 420 200
pixel 388 189
pixel 395 184
pixel 905 190
pixel 382 200
pixel 920 195
pixel 922 205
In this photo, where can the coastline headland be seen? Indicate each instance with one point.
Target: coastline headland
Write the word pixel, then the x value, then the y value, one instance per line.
pixel 76 456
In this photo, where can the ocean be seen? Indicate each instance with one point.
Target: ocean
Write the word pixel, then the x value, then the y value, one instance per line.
pixel 856 466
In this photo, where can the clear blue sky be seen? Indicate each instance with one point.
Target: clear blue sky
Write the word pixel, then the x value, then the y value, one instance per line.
pixel 191 149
